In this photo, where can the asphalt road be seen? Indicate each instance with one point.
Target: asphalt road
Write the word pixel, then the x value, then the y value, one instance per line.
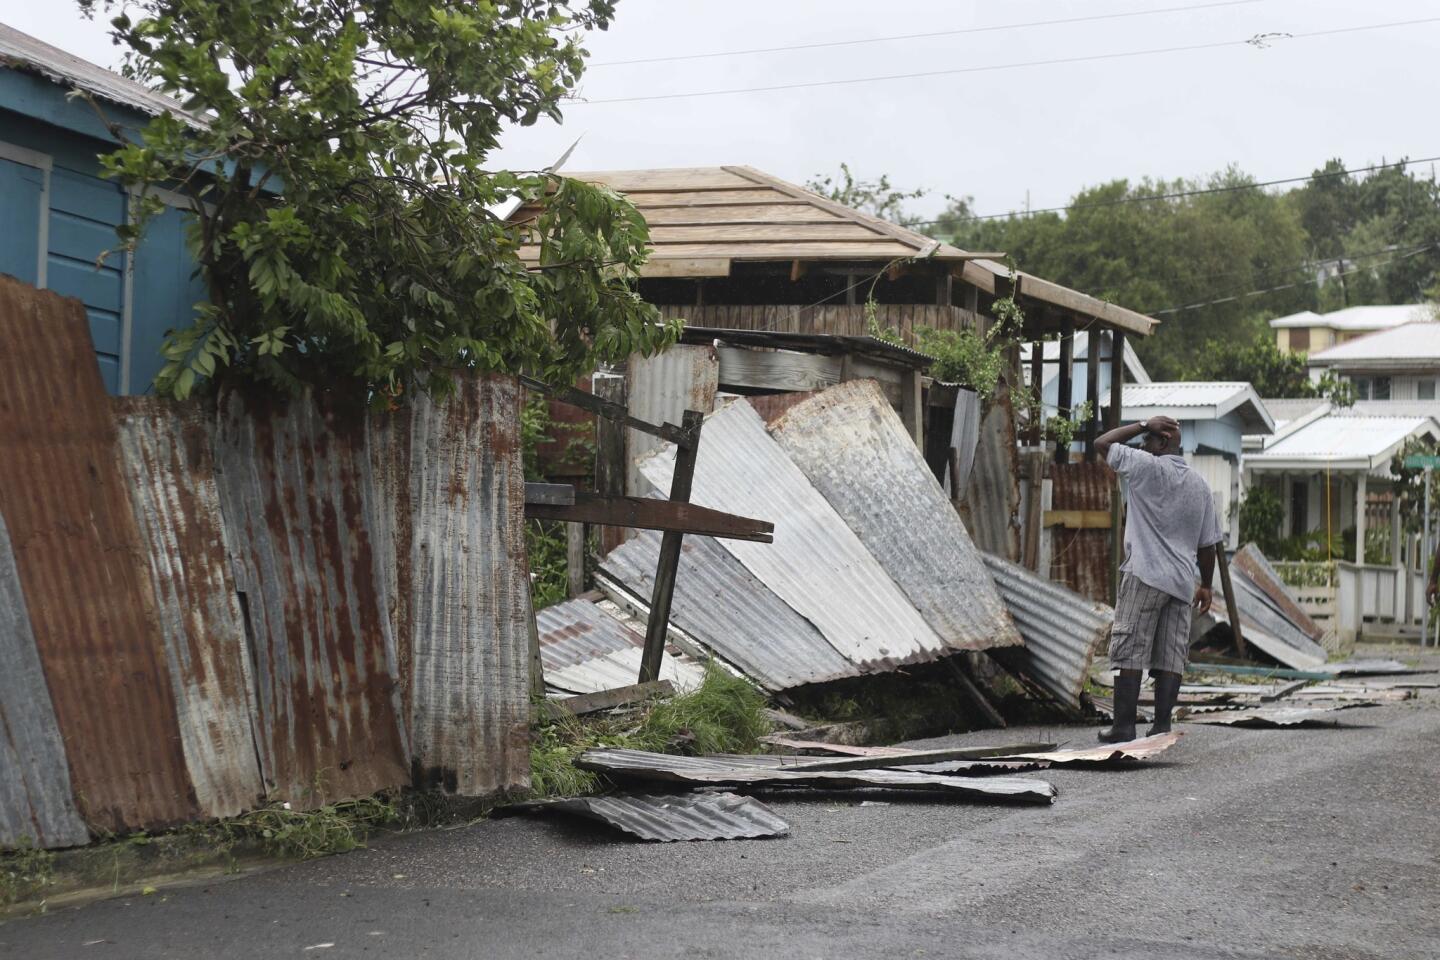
pixel 1241 843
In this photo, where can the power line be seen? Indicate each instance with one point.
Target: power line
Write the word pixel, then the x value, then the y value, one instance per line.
pixel 1258 40
pixel 1204 191
pixel 922 36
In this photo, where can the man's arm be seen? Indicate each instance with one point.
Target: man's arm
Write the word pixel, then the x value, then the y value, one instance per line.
pixel 1203 598
pixel 1129 432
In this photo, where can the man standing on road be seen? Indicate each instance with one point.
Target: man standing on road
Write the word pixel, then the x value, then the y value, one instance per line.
pixel 1170 528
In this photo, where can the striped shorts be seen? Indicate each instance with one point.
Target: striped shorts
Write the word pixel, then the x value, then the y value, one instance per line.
pixel 1152 629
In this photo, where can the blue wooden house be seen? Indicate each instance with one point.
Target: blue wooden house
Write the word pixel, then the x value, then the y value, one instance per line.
pixel 59 215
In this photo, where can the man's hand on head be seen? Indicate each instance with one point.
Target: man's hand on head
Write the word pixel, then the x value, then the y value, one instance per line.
pixel 1166 426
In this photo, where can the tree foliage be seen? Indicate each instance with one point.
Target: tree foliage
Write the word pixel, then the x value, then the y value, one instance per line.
pixel 877 197
pixel 342 222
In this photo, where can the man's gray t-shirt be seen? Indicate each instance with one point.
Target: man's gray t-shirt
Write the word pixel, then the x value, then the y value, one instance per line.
pixel 1170 517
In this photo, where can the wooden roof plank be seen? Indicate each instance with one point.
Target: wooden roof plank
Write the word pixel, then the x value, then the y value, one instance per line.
pixel 745 232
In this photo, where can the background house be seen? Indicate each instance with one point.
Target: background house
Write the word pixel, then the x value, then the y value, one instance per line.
pixel 60 215
pixel 1311 332
pixel 1401 363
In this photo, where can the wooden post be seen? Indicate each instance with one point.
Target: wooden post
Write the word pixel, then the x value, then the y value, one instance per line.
pixel 1037 390
pixel 575 559
pixel 670 543
pixel 1230 603
pixel 1360 518
pixel 610 454
pixel 537 665
pixel 912 408
pixel 1092 390
pixel 1117 400
pixel 1065 380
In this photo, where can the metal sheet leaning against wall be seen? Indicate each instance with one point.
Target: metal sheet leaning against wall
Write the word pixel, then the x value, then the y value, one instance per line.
pixel 992 498
pixel 471 603
pixel 74 536
pixel 854 449
pixel 169 470
pixel 1080 559
pixel 37 806
pixel 301 511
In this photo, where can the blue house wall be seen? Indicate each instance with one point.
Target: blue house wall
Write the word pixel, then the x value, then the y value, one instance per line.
pixel 59 217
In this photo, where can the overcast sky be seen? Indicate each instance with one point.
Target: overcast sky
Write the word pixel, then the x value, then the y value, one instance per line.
pixel 996 134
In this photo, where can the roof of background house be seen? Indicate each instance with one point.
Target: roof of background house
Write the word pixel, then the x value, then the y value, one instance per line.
pixel 1051 351
pixel 1377 317
pixel 1198 400
pixel 1415 344
pixel 1351 441
pixel 21 51
pixel 1289 414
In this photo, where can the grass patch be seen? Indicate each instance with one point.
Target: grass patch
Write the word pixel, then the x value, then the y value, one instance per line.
pixel 725 714
pixel 304 834
pixel 25 872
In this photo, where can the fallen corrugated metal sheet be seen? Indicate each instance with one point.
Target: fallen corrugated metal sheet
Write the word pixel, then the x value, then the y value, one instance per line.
pixel 585 650
pixel 301 509
pixel 1373 668
pixel 816 564
pixel 1267 626
pixel 470 610
pixel 702 771
pixel 1062 630
pixel 37 807
pixel 1309 716
pixel 1141 749
pixel 697 816
pixel 991 508
pixel 853 448
pixel 659 389
pixel 723 606
pixel 81 565
pixel 1257 568
pixel 170 473
pixel 1081 558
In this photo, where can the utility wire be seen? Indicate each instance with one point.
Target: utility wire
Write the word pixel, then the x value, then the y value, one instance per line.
pixel 921 36
pixel 1204 191
pixel 1259 40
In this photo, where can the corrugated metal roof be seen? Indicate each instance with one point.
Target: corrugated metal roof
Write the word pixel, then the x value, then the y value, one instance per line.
pixel 1080 559
pixel 1376 317
pixel 723 606
pixel 585 650
pixel 1062 629
pixel 301 506
pixel 170 473
pixel 816 563
pixel 1141 749
pixel 1080 350
pixel 469 631
pixel 1257 568
pixel 1323 716
pixel 853 448
pixel 660 389
pixel 692 816
pixel 706 771
pixel 992 498
pixel 37 806
pixel 24 52
pixel 1197 401
pixel 1354 442
pixel 74 537
pixel 1413 343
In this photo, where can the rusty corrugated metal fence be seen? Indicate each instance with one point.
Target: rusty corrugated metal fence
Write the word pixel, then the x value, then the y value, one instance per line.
pixel 204 609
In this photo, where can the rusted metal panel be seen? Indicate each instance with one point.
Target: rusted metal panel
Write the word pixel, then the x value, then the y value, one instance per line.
pixel 697 816
pixel 660 389
pixel 1080 559
pixel 302 510
pixel 586 650
pixel 853 448
pixel 1062 629
pixel 37 806
pixel 1141 749
pixel 82 569
pixel 724 607
pixel 991 509
pixel 169 470
pixel 471 606
pixel 817 564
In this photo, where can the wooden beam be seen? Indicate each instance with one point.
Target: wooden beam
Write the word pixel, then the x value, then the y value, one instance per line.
pixel 972 690
pixel 1037 387
pixel 1092 389
pixel 575 559
pixel 610 456
pixel 669 563
pixel 1230 604
pixel 912 409
pixel 797 270
pixel 1078 519
pixel 645 513
pixel 608 699
pixel 1117 526
pixel 555 494
pixel 609 411
pixel 682 267
pixel 1063 399
pixel 537 664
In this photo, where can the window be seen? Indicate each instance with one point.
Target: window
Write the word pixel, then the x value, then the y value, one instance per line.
pixel 1425 389
pixel 1300 339
pixel 1362 387
pixel 1380 388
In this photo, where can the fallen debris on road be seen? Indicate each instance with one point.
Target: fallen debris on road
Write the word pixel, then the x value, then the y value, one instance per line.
pixel 691 816
pixel 1308 716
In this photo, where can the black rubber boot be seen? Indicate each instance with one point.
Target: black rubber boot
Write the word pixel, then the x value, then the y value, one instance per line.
pixel 1167 691
pixel 1127 698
